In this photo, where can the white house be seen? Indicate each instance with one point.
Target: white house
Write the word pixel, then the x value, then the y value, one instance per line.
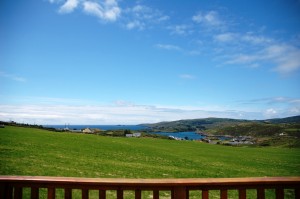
pixel 87 130
pixel 134 135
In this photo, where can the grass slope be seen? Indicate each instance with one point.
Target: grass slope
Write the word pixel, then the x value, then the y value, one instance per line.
pixel 26 151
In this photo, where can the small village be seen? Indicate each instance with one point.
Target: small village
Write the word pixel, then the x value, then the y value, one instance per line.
pixel 210 139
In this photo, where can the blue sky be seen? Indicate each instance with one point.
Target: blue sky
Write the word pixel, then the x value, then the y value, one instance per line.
pixel 131 62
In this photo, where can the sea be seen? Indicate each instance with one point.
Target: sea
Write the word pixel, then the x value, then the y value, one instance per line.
pixel 190 135
pixel 102 127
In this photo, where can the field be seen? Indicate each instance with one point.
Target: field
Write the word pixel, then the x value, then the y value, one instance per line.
pixel 35 152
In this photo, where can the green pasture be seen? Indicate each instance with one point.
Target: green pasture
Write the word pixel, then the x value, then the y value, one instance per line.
pixel 35 152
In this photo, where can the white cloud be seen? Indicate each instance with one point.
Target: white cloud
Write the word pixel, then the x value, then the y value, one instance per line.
pixel 180 29
pixel 254 39
pixel 12 77
pixel 124 112
pixel 68 6
pixel 107 11
pixel 210 18
pixel 142 17
pixel 168 47
pixel 55 1
pixel 225 37
pixel 186 76
pixel 284 57
pixel 135 24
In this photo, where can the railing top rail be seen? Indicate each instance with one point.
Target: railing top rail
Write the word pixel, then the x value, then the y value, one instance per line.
pixel 152 182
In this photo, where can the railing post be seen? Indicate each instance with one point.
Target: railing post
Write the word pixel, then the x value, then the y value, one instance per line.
pixel 205 194
pixel 18 193
pixel 180 192
pixel 119 194
pixel 297 193
pixel 242 194
pixel 223 194
pixel 51 193
pixel 102 194
pixel 260 193
pixel 85 193
pixel 34 193
pixel 279 193
pixel 68 193
pixel 138 194
pixel 7 191
pixel 155 194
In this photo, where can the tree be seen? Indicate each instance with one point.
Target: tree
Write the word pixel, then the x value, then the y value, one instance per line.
pixel 127 131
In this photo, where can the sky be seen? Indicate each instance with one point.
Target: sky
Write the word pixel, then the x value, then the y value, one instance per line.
pixel 138 61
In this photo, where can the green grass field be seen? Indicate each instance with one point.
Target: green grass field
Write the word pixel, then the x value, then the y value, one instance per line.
pixel 34 152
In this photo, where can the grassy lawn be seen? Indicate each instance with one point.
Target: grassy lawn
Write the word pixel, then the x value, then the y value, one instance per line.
pixel 34 152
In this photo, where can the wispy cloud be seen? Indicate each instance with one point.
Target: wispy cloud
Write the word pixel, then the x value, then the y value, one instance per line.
pixel 105 10
pixel 141 17
pixel 275 107
pixel 210 18
pixel 12 77
pixel 225 37
pixel 284 57
pixel 182 29
pixel 187 76
pixel 274 100
pixel 135 24
pixel 168 47
pixel 69 6
pixel 128 113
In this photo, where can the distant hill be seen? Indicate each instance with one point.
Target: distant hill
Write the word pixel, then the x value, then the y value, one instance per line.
pixel 294 120
pixel 214 123
pixel 272 132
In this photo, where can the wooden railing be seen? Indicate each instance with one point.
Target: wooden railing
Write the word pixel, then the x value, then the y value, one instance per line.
pixel 12 186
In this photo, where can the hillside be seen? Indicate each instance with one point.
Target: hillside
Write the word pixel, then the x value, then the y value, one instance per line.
pixel 37 152
pixel 27 151
pixel 274 132
pixel 192 124
pixel 213 123
pixel 290 120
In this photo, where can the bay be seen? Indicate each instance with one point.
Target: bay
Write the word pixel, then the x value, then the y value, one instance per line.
pixel 102 127
pixel 191 135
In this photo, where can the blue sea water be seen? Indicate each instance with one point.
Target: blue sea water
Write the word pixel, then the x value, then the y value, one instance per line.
pixel 102 127
pixel 191 135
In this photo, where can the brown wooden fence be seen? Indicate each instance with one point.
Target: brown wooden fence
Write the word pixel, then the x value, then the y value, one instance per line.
pixel 12 186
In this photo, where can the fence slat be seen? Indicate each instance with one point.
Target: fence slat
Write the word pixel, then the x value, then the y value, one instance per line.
pixel 260 193
pixel 297 193
pixel 242 193
pixel 223 194
pixel 120 194
pixel 12 186
pixel 155 194
pixel 180 193
pixel 2 190
pixel 138 194
pixel 204 194
pixel 85 193
pixel 18 193
pixel 68 193
pixel 8 192
pixel 51 193
pixel 102 194
pixel 34 193
pixel 279 193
